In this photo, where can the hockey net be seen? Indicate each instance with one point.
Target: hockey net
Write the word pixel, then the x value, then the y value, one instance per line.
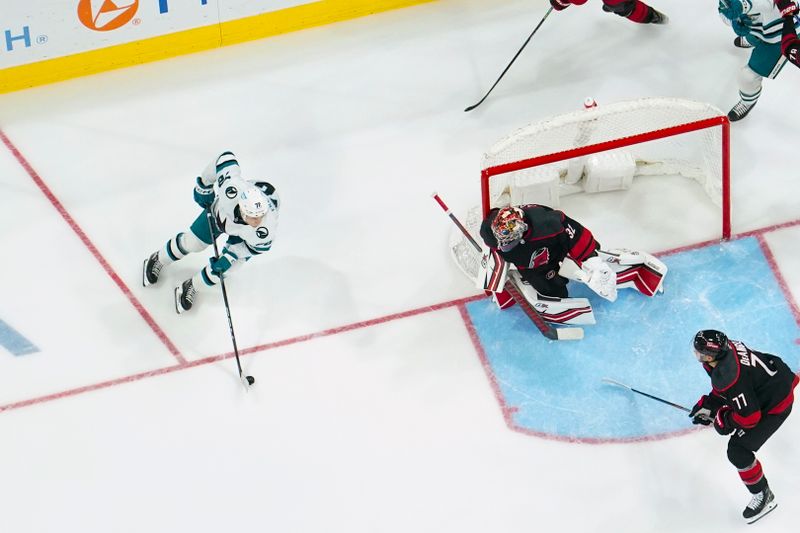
pixel 600 149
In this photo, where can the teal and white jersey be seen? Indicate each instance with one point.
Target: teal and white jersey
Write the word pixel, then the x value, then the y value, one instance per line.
pixel 244 241
pixel 758 20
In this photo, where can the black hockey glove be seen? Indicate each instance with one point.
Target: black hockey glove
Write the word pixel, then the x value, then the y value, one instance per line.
pixel 788 8
pixel 705 409
pixel 701 414
pixel 722 422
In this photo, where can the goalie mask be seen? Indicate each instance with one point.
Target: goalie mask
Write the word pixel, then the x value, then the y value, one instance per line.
pixel 508 227
pixel 712 343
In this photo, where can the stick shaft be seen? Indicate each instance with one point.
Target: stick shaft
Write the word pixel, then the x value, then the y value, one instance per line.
pixel 546 329
pixel 224 292
pixel 656 398
pixel 470 108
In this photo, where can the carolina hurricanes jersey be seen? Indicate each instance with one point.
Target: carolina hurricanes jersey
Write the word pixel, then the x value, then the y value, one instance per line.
pixel 244 241
pixel 752 383
pixel 551 236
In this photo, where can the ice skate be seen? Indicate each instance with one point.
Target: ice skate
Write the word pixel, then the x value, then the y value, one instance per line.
pixel 184 296
pixel 762 503
pixel 741 42
pixel 657 17
pixel 151 269
pixel 740 110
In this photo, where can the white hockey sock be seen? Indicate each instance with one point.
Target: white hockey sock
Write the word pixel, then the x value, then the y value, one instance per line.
pixel 178 247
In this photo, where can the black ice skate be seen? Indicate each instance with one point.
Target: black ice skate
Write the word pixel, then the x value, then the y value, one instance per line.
pixel 741 42
pixel 151 269
pixel 762 503
pixel 184 296
pixel 657 17
pixel 740 110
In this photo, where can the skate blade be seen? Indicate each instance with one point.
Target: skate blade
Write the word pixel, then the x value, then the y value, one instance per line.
pixel 768 509
pixel 178 293
pixel 144 274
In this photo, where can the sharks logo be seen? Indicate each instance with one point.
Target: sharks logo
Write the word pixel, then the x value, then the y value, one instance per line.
pixel 231 192
pixel 262 232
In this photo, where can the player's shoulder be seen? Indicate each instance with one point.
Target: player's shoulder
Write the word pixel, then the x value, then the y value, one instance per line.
pixel 545 221
pixel 728 371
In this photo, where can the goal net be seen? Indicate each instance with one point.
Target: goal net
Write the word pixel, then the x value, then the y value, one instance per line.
pixel 601 149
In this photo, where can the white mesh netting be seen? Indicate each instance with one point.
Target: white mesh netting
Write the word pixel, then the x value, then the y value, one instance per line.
pixel 698 155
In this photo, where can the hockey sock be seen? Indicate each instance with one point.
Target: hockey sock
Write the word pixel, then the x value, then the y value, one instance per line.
pixel 178 247
pixel 753 477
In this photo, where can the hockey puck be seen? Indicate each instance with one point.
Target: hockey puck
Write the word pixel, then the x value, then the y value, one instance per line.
pixel 250 380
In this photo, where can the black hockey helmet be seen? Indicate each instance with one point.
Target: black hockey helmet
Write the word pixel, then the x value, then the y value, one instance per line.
pixel 712 343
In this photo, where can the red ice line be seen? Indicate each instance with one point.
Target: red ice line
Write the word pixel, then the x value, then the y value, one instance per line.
pixel 459 303
pixel 90 245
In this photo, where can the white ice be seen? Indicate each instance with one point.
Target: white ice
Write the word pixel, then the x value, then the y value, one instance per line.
pixel 389 426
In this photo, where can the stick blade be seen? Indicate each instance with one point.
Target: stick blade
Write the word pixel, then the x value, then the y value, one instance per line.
pixel 610 381
pixel 470 108
pixel 569 334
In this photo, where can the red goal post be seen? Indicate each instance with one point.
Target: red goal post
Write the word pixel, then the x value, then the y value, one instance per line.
pixel 657 136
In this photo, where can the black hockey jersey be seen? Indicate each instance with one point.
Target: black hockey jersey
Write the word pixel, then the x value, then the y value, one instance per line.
pixel 551 236
pixel 752 383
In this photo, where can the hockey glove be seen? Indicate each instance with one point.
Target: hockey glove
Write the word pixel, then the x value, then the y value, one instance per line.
pixel 722 422
pixel 203 194
pixel 219 265
pixel 741 26
pixel 704 410
pixel 559 5
pixel 788 8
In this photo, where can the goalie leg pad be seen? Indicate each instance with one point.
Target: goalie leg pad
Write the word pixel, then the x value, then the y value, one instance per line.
pixel 567 311
pixel 636 270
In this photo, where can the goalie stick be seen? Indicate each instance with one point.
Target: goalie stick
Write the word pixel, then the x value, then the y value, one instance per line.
pixel 656 398
pixel 556 334
pixel 470 108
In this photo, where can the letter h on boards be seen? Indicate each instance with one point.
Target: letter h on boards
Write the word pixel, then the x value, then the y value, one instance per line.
pixel 26 37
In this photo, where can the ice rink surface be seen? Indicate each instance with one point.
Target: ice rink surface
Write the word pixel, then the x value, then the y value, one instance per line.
pixel 383 402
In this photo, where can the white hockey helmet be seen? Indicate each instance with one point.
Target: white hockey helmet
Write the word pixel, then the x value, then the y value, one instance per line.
pixel 252 202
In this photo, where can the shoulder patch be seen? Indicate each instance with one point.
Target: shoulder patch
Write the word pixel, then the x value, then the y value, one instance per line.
pixel 231 192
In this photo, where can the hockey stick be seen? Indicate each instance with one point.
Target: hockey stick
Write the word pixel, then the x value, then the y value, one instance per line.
pixel 556 334
pixel 470 108
pixel 656 398
pixel 247 380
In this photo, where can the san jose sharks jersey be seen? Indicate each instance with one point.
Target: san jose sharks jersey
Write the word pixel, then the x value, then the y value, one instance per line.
pixel 244 241
pixel 760 21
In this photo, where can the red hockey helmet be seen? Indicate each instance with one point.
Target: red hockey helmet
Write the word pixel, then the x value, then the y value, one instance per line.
pixel 508 227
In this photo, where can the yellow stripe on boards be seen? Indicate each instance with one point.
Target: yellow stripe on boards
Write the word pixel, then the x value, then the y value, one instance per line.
pixel 194 40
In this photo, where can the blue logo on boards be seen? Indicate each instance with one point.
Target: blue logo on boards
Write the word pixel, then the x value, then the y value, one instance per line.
pixel 17 38
pixel 163 5
pixel 555 389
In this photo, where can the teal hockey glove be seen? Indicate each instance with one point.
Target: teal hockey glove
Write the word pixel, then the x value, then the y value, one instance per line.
pixel 203 194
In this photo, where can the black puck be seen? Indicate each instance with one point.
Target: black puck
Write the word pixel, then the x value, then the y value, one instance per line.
pixel 250 380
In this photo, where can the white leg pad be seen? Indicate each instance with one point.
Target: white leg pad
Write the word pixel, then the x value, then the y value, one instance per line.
pixel 568 311
pixel 636 270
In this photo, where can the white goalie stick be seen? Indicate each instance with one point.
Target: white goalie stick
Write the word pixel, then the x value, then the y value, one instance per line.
pixel 656 398
pixel 556 334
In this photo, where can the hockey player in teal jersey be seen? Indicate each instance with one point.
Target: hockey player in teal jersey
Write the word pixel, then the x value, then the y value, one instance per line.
pixel 758 24
pixel 246 211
